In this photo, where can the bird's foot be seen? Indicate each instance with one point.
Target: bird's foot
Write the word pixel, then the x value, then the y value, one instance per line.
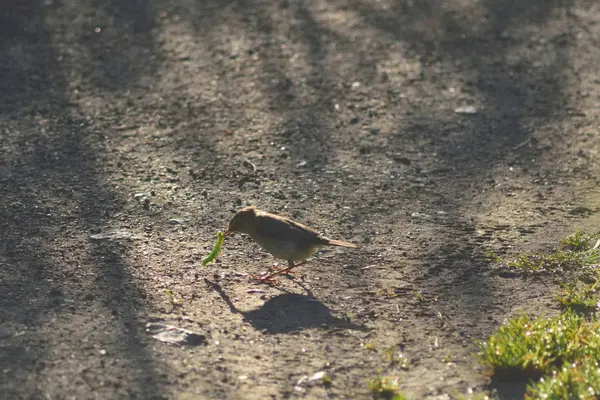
pixel 275 270
pixel 269 276
pixel 293 274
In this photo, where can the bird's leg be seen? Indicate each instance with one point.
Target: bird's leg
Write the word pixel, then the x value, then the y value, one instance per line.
pixel 291 265
pixel 263 279
pixel 266 278
pixel 269 277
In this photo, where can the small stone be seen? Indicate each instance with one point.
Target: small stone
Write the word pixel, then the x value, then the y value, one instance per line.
pixel 174 335
pixel 301 381
pixel 467 110
pixel 402 160
pixel 115 235
pixel 420 216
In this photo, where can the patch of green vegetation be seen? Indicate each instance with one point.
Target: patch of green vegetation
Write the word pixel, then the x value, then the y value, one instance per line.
pixel 559 261
pixel 579 296
pixel 577 261
pixel 386 388
pixel 579 380
pixel 419 296
pixel 326 380
pixel 580 241
pixel 391 354
pixel 527 346
pixel 370 346
pixel 394 357
pixel 554 350
pixel 559 355
pixel 578 253
pixel 175 302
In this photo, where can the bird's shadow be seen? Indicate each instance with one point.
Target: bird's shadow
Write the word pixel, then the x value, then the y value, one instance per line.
pixel 288 312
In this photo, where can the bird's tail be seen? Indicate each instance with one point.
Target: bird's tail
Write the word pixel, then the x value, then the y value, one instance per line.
pixel 331 242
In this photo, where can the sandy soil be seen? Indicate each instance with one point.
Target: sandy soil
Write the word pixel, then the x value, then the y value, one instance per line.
pixel 154 120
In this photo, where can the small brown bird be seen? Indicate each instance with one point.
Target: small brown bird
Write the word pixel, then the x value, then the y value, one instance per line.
pixel 283 238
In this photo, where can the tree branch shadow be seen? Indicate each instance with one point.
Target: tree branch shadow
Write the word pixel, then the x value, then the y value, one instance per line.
pixel 53 196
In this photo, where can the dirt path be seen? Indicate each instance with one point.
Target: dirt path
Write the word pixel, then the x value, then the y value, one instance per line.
pixel 157 119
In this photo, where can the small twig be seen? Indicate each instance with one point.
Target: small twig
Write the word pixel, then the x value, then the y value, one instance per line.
pixel 522 144
pixel 255 291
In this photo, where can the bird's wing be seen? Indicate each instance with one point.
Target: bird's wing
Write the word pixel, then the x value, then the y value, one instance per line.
pixel 286 229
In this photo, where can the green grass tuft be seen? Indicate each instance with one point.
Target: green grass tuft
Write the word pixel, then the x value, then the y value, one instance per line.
pixel 578 253
pixel 386 388
pixel 559 355
pixel 579 380
pixel 580 241
pixel 577 262
pixel 555 350
pixel 530 347
pixel 579 296
pixel 394 357
pixel 560 261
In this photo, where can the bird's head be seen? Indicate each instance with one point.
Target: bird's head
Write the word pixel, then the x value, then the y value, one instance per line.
pixel 243 221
